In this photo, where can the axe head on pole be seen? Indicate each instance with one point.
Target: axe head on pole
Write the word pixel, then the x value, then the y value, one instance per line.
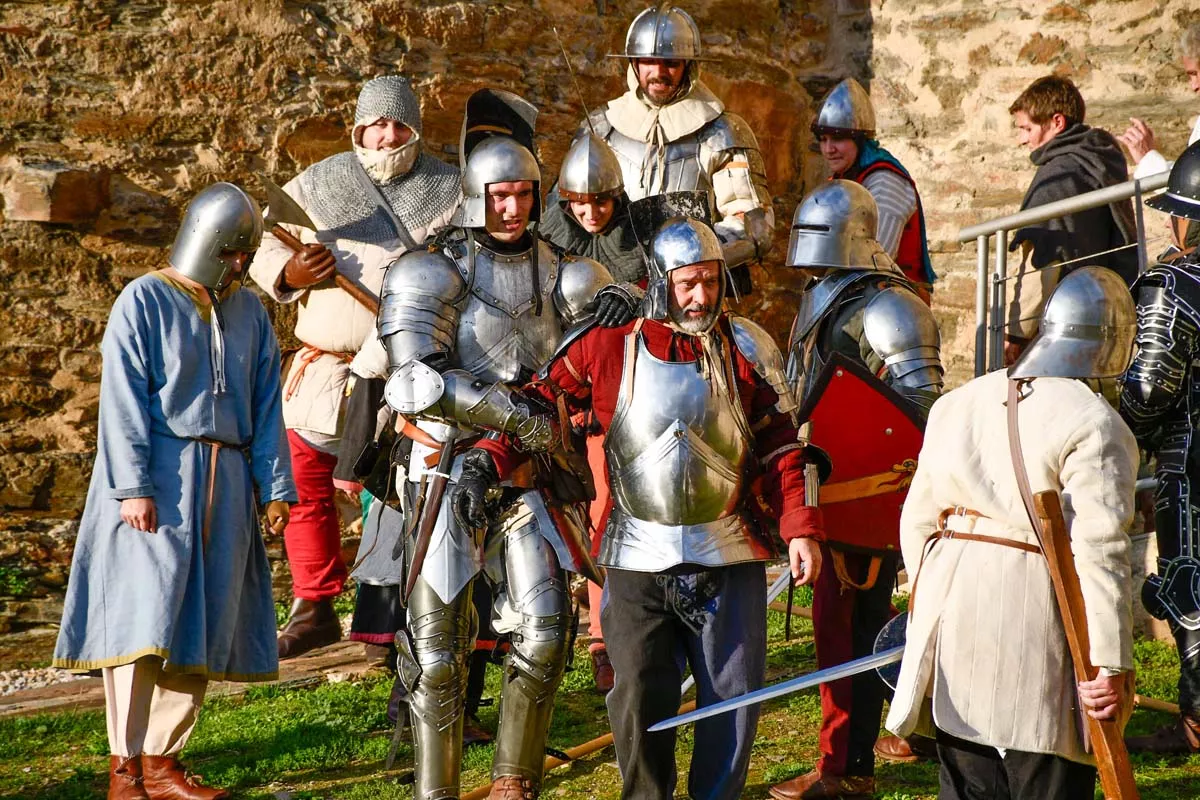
pixel 282 209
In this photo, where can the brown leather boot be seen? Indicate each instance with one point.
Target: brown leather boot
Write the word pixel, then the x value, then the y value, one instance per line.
pixel 312 624
pixel 905 751
pixel 125 778
pixel 165 779
pixel 814 786
pixel 602 671
pixel 511 787
pixel 1181 737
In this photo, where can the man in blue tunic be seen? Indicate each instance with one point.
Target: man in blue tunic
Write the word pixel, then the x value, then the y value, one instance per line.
pixel 170 586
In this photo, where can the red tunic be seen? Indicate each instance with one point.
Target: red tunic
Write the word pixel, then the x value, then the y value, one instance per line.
pixel 589 375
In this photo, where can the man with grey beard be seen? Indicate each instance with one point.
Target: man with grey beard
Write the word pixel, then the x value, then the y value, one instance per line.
pixel 674 393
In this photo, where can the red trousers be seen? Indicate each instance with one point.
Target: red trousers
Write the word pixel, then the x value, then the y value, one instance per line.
pixel 845 625
pixel 597 513
pixel 313 539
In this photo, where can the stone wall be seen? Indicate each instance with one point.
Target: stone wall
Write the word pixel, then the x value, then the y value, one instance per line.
pixel 945 74
pixel 112 114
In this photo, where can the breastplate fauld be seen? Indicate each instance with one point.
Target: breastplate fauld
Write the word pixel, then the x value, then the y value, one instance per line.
pixel 678 170
pixel 498 333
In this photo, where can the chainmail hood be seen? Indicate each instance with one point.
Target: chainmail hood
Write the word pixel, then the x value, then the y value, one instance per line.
pixel 389 97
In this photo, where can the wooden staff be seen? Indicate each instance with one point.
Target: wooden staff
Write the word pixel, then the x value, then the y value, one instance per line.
pixel 1112 760
pixel 574 754
pixel 364 298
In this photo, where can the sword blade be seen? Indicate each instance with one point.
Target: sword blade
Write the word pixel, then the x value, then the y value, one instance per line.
pixel 786 687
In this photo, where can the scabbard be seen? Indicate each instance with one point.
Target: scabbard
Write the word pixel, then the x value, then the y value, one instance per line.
pixel 429 513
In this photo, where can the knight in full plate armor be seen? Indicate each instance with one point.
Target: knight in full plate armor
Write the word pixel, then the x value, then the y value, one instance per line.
pixel 370 204
pixel 860 311
pixel 694 404
pixel 671 133
pixel 480 309
pixel 1161 402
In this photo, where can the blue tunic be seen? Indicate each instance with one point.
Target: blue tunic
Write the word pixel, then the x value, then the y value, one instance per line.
pixel 204 609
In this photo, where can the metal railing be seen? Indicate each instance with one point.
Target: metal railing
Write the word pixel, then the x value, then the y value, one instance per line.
pixel 990 295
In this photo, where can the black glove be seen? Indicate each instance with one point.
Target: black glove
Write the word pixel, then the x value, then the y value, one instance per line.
pixel 614 307
pixel 470 495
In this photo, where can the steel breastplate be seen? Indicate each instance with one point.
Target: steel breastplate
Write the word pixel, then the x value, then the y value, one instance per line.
pixel 645 174
pixel 677 448
pixel 499 337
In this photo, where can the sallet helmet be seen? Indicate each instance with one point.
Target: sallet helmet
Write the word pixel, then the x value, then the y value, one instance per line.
pixel 834 228
pixel 1087 329
pixel 497 159
pixel 679 242
pixel 1182 197
pixel 220 219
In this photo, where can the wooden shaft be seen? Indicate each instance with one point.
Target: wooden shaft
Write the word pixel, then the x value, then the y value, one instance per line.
pixel 797 611
pixel 361 295
pixel 575 753
pixel 1141 701
pixel 1108 743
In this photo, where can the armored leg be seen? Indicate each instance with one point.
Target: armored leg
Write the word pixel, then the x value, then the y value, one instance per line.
pixel 434 668
pixel 537 591
pixel 1174 593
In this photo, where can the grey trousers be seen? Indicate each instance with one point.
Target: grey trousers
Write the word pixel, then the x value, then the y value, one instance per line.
pixel 715 621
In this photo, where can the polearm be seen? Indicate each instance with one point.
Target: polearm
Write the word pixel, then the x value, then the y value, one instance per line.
pixel 1108 743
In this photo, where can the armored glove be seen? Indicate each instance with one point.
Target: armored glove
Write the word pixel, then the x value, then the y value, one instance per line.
pixel 615 306
pixel 478 475
pixel 309 266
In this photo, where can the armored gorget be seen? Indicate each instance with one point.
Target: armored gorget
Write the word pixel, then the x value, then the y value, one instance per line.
pixel 678 449
pixel 501 337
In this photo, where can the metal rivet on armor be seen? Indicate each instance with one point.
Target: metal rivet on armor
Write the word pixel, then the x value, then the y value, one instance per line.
pixel 887 431
pixel 838 373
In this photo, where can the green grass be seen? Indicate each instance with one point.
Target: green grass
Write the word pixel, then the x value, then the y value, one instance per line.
pixel 330 741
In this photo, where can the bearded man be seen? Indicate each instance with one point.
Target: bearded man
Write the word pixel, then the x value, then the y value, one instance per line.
pixel 674 394
pixel 671 133
pixel 372 204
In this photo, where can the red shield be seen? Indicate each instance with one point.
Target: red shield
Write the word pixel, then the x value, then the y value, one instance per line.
pixel 873 436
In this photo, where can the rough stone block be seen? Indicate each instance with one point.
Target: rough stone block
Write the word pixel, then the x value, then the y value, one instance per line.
pixel 53 192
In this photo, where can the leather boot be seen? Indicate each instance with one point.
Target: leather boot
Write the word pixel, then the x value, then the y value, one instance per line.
pixel 1181 737
pixel 511 787
pixel 905 751
pixel 165 779
pixel 814 786
pixel 602 671
pixel 125 778
pixel 312 624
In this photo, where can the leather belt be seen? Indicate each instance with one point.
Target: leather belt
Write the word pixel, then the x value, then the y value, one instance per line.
pixel 946 522
pixel 215 447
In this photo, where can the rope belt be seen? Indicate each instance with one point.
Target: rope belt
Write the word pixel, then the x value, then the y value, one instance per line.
pixel 950 524
pixel 307 355
pixel 215 447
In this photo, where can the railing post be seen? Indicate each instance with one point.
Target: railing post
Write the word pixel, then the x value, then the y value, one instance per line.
pixel 1142 266
pixel 981 304
pixel 999 315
